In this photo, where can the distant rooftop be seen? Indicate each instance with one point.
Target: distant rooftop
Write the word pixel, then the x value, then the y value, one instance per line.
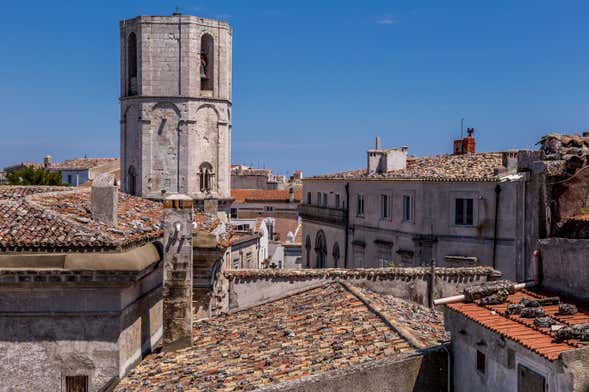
pixel 447 167
pixel 261 195
pixel 83 163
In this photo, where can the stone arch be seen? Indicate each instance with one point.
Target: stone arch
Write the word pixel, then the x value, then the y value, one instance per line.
pixel 206 176
pixel 320 249
pixel 207 62
pixel 168 105
pixel 335 253
pixel 132 87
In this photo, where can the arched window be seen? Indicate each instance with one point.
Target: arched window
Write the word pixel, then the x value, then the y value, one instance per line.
pixel 206 60
pixel 131 181
pixel 335 254
pixel 320 249
pixel 308 248
pixel 132 64
pixel 205 176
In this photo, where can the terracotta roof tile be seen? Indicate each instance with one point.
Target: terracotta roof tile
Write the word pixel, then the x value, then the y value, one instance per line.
pixel 466 167
pixel 304 334
pixel 541 340
pixel 82 163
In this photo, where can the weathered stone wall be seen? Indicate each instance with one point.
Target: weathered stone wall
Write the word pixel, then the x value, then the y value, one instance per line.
pixel 564 265
pixel 414 373
pixel 85 326
pixel 242 289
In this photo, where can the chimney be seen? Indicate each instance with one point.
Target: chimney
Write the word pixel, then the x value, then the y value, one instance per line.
pixel 104 199
pixel 47 161
pixel 509 160
pixel 466 145
pixel 382 161
pixel 177 287
pixel 290 195
pixel 377 144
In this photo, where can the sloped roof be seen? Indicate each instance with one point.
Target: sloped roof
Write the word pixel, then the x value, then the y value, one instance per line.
pixel 82 163
pixel 447 167
pixel 541 340
pixel 299 336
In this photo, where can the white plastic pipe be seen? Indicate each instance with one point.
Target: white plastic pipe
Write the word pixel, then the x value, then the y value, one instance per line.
pixel 460 298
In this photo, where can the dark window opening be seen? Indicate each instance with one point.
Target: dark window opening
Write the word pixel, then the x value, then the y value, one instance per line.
pixel 335 254
pixel 205 176
pixel 337 200
pixel 206 60
pixel 308 249
pixel 132 88
pixel 320 249
pixel 360 205
pixel 385 206
pixel 481 359
pixel 234 213
pixel 308 197
pixel 464 214
pixel 131 181
pixel 529 380
pixel 76 384
pixel 407 208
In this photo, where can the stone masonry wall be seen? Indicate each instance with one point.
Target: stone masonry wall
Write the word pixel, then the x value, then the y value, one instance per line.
pixel 235 290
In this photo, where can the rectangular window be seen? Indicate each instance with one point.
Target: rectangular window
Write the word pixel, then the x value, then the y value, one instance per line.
pixel 325 200
pixel 385 206
pixel 268 208
pixel 234 213
pixel 407 208
pixel 76 383
pixel 308 197
pixel 358 255
pixel 69 179
pixel 318 198
pixel 529 380
pixel 337 200
pixel 384 256
pixel 481 362
pixel 360 206
pixel 464 213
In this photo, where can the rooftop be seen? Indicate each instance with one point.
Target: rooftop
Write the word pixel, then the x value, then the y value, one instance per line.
pixel 54 219
pixel 333 326
pixel 466 167
pixel 83 163
pixel 267 196
pixel 541 340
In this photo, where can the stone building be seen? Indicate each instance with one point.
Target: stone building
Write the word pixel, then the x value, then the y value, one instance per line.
pixel 254 203
pixel 460 209
pixel 245 177
pixel 176 107
pixel 76 172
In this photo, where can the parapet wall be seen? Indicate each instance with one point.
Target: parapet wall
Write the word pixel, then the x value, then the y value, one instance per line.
pixel 564 266
pixel 236 290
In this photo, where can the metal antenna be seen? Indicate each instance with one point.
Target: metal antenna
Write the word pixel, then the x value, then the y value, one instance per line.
pixel 461 128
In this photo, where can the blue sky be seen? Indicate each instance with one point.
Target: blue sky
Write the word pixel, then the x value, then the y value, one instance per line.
pixel 314 81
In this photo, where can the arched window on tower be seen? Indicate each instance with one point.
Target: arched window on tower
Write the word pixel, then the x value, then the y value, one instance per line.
pixel 308 249
pixel 132 64
pixel 206 60
pixel 131 181
pixel 320 249
pixel 335 254
pixel 205 177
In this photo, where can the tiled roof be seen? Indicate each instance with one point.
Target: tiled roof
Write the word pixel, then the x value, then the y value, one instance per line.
pixel 268 196
pixel 466 167
pixel 541 340
pixel 82 163
pixel 299 336
pixel 58 218
pixel 35 218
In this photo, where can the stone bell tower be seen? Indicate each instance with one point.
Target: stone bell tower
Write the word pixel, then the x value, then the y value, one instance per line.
pixel 176 107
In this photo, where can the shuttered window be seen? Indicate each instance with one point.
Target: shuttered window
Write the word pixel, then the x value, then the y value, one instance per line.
pixel 76 384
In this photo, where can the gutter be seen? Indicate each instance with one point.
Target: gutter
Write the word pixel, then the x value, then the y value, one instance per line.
pixel 497 199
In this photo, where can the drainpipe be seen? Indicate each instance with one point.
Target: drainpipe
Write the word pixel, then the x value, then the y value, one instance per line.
pixel 497 198
pixel 347 224
pixel 450 366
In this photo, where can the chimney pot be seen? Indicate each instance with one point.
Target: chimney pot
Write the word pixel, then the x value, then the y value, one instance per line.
pixel 104 199
pixel 377 144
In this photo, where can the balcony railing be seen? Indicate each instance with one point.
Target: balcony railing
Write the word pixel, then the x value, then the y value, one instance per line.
pixel 323 214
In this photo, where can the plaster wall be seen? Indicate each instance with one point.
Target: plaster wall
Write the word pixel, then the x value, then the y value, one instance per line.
pixel 564 266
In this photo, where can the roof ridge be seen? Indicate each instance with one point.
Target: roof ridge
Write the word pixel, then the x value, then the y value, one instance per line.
pixel 393 324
